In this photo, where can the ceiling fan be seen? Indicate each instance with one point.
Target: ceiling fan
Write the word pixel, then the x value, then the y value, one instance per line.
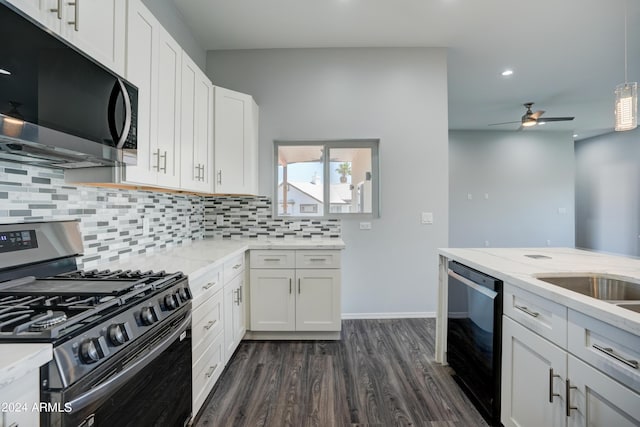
pixel 531 119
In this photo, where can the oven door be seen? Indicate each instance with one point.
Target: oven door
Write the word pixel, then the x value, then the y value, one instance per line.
pixel 473 341
pixel 150 385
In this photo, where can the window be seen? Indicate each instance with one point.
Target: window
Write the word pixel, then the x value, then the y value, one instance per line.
pixel 327 178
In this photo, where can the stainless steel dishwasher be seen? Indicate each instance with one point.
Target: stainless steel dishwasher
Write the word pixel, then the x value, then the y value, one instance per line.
pixel 474 321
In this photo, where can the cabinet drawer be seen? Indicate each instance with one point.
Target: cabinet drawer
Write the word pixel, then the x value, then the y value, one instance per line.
pixel 317 259
pixel 206 285
pixel 207 321
pixel 206 371
pixel 541 315
pixel 233 267
pixel 609 349
pixel 272 259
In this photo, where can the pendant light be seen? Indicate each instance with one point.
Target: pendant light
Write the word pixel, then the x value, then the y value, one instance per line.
pixel 626 111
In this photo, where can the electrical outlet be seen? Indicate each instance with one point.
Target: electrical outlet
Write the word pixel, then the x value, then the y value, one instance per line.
pixel 486 243
pixel 295 226
pixel 145 226
pixel 219 220
pixel 365 226
pixel 187 223
pixel 469 196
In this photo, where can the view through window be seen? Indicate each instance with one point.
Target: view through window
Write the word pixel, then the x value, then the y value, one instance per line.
pixel 329 178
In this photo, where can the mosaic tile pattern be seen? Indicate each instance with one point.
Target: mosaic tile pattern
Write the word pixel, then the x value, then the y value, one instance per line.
pixel 253 217
pixel 111 220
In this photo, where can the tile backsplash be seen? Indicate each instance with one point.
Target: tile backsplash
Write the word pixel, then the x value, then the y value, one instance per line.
pixel 113 221
pixel 117 223
pixel 252 217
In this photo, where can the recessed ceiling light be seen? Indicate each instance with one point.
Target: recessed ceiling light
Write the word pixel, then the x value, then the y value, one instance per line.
pixel 506 73
pixel 3 71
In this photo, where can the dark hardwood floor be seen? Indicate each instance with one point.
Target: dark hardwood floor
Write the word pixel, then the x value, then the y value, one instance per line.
pixel 381 373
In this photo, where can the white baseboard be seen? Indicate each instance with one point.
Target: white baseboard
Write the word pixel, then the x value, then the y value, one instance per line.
pixel 403 315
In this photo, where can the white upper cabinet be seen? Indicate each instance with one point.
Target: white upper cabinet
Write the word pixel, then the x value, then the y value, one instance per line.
pixel 97 27
pixel 196 171
pixel 154 62
pixel 235 142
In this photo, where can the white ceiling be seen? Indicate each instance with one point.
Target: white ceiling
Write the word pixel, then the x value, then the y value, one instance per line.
pixel 567 55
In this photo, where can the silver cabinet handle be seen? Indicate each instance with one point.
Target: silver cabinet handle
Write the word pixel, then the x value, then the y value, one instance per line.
pixel 609 352
pixel 317 259
pixel 220 177
pixel 164 157
pixel 58 10
pixel 210 324
pixel 76 14
pixel 551 393
pixel 157 166
pixel 272 259
pixel 240 294
pixel 299 285
pixel 211 370
pixel 527 311
pixel 202 173
pixel 290 286
pixel 197 177
pixel 568 388
pixel 237 299
pixel 208 285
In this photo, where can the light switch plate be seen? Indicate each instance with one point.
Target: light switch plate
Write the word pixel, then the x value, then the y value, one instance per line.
pixel 426 218
pixel 219 220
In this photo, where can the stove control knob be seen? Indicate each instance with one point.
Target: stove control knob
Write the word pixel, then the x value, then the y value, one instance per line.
pixel 90 351
pixel 117 334
pixel 147 316
pixel 184 294
pixel 170 302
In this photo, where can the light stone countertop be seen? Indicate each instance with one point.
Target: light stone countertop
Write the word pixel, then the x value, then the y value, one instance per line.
pixel 195 258
pixel 512 266
pixel 17 360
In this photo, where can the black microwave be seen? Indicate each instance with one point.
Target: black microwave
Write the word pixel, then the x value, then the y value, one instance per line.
pixel 58 107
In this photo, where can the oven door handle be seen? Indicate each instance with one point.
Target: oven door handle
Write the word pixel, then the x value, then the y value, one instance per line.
pixel 126 374
pixel 482 289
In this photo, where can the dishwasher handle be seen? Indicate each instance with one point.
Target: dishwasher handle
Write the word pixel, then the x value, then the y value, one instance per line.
pixel 482 289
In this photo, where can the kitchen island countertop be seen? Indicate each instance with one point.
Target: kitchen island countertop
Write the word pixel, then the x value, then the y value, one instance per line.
pixel 516 267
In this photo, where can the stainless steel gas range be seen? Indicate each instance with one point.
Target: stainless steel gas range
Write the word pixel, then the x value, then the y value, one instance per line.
pixel 121 339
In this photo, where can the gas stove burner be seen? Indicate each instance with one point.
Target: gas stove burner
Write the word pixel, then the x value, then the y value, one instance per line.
pixel 50 319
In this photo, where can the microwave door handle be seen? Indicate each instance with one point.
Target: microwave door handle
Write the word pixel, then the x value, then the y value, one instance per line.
pixel 119 138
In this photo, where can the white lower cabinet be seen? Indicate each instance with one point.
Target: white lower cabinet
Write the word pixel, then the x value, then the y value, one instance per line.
pixel 234 318
pixel 544 384
pixel 19 399
pixel 293 298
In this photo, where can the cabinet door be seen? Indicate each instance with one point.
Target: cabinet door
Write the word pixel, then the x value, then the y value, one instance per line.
pixel 531 393
pixel 142 70
pixel 97 27
pixel 43 11
pixel 272 300
pixel 232 111
pixel 196 128
pixel 318 305
pixel 168 136
pixel 599 400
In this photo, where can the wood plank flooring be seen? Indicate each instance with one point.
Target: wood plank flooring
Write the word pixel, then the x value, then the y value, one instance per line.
pixel 381 373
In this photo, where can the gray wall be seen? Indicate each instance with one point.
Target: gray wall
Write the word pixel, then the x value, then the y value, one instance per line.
pixel 171 19
pixel 608 193
pixel 396 94
pixel 528 176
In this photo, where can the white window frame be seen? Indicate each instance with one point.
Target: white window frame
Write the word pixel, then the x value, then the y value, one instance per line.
pixel 373 144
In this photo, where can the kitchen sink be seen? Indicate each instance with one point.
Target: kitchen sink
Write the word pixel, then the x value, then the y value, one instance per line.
pixel 633 306
pixel 600 286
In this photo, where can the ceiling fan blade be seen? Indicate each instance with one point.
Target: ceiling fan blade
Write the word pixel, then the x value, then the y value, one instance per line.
pixel 557 119
pixel 537 114
pixel 505 123
pixel 520 128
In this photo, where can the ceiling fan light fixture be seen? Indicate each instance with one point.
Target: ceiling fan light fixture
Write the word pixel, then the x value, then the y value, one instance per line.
pixel 626 111
pixel 529 122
